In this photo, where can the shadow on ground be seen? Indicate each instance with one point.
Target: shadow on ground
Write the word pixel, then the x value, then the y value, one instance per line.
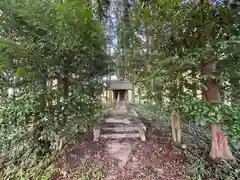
pixel 155 159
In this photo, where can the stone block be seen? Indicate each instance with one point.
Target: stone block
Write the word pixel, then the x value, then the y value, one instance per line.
pixel 96 133
pixel 115 120
pixel 121 128
pixel 120 135
pixel 142 134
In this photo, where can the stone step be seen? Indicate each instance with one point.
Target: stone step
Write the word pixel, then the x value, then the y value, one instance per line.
pixel 140 134
pixel 123 113
pixel 114 120
pixel 120 123
pixel 128 127
pixel 120 117
pixel 96 133
pixel 112 125
pixel 120 135
pixel 120 128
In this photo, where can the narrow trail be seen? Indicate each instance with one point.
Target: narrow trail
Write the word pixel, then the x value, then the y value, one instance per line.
pixel 127 159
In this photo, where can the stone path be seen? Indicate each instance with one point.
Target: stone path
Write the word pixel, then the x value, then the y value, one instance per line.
pixel 125 159
pixel 122 156
pixel 119 150
pixel 118 120
pixel 120 123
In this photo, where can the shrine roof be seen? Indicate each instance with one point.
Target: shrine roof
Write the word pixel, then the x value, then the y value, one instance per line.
pixel 119 85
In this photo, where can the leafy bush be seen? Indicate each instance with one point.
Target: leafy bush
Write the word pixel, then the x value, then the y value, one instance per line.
pixel 52 56
pixel 197 139
pixel 204 113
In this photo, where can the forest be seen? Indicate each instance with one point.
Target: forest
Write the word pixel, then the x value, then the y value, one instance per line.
pixel 56 57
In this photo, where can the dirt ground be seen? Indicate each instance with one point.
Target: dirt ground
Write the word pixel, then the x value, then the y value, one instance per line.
pixel 126 159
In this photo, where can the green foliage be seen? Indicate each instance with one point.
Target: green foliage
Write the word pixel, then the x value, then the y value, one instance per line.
pixel 196 138
pixel 171 43
pixel 89 172
pixel 31 167
pixel 52 55
pixel 204 113
pixel 169 48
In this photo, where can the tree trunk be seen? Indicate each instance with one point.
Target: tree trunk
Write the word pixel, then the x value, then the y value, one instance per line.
pixel 50 102
pixel 211 93
pixel 219 149
pixel 219 146
pixel 194 85
pixel 106 95
pixel 110 91
pixel 58 104
pixel 176 130
pixel 133 93
pixel 43 94
pixel 159 94
pixel 139 95
pixel 65 94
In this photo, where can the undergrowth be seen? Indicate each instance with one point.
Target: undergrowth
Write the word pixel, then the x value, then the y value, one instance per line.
pixel 88 171
pixel 197 139
pixel 24 158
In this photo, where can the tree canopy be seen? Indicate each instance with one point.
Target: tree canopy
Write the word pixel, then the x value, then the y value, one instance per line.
pixel 53 57
pixel 180 56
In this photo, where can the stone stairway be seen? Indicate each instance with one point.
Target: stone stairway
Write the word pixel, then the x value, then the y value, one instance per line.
pixel 120 123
